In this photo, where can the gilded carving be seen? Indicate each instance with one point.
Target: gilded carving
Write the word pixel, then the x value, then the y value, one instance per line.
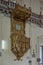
pixel 19 43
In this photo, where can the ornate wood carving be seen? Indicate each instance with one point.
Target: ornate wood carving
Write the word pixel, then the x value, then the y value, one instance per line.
pixel 21 13
pixel 19 43
pixel 6 7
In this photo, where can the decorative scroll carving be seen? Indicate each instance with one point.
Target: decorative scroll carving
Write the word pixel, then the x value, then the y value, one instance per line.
pixel 19 43
pixel 21 13
pixel 6 7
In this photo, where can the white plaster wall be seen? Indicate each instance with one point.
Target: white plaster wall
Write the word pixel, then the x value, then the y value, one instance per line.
pixel 0 34
pixel 41 4
pixel 0 41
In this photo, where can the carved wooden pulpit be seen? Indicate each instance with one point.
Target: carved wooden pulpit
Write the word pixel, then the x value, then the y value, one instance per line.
pixel 20 44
